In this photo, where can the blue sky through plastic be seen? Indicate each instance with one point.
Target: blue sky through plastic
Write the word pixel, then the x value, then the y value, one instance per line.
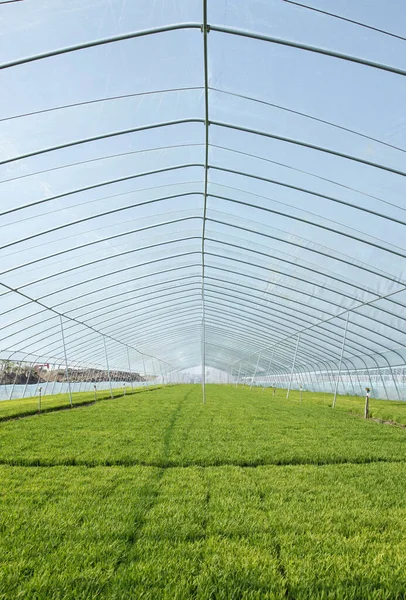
pixel 135 227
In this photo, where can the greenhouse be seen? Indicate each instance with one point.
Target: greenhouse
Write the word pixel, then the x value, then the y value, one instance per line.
pixel 203 200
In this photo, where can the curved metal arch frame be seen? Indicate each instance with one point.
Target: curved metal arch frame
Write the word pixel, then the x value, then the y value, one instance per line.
pixel 255 251
pixel 252 323
pixel 207 123
pixel 51 318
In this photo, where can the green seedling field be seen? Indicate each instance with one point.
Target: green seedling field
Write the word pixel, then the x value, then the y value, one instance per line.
pixel 156 495
pixel 384 410
pixel 30 406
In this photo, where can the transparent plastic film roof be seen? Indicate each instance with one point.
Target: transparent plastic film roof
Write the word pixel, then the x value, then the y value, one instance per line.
pixel 205 184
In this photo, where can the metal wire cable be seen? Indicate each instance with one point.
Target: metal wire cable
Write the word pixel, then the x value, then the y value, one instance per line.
pixel 97 101
pixel 311 117
pixel 297 170
pixel 324 12
pixel 106 157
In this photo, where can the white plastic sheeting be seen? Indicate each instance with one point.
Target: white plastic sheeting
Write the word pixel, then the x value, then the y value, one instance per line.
pixel 199 182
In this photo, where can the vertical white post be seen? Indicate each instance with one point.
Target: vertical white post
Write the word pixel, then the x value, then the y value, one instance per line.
pixel 269 367
pixel 39 399
pixel 394 382
pixel 56 370
pixel 107 364
pixel 341 359
pixel 129 368
pixel 28 377
pixel 82 375
pixel 47 381
pixel 366 412
pixel 153 370
pixel 238 377
pixel 293 366
pixel 66 363
pixel 203 350
pixel 14 383
pixel 383 382
pixel 143 363
pixel 255 372
pixel 36 387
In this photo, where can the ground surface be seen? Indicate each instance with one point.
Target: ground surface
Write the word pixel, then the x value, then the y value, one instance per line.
pixel 157 496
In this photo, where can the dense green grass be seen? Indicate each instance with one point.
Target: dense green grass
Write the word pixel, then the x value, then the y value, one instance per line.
pixel 385 410
pixel 170 498
pixel 171 427
pixel 380 409
pixel 29 406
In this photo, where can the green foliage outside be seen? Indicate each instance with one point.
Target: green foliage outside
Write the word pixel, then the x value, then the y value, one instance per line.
pixel 156 495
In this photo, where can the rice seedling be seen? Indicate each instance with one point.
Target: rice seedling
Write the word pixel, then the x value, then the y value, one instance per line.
pixel 159 496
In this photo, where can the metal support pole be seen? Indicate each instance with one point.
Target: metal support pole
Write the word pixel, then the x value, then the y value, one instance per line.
pixel 14 383
pixel 39 399
pixel 129 368
pixel 293 366
pixel 341 359
pixel 55 372
pixel 369 385
pixel 394 382
pixel 66 363
pixel 269 368
pixel 38 382
pixel 255 372
pixel 153 370
pixel 83 375
pixel 203 360
pixel 357 371
pixel 205 30
pixel 95 393
pixel 143 363
pixel 47 382
pixel 383 382
pixel 107 364
pixel 28 378
pixel 238 377
pixel 350 379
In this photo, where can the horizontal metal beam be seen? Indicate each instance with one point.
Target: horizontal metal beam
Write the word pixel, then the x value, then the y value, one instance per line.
pixel 220 29
pixel 99 100
pixel 308 222
pixel 111 257
pixel 308 48
pixel 96 138
pixel 153 227
pixel 311 192
pixel 97 216
pixel 100 42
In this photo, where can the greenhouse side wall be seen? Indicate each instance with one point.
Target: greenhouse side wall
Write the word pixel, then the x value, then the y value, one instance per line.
pixel 384 383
